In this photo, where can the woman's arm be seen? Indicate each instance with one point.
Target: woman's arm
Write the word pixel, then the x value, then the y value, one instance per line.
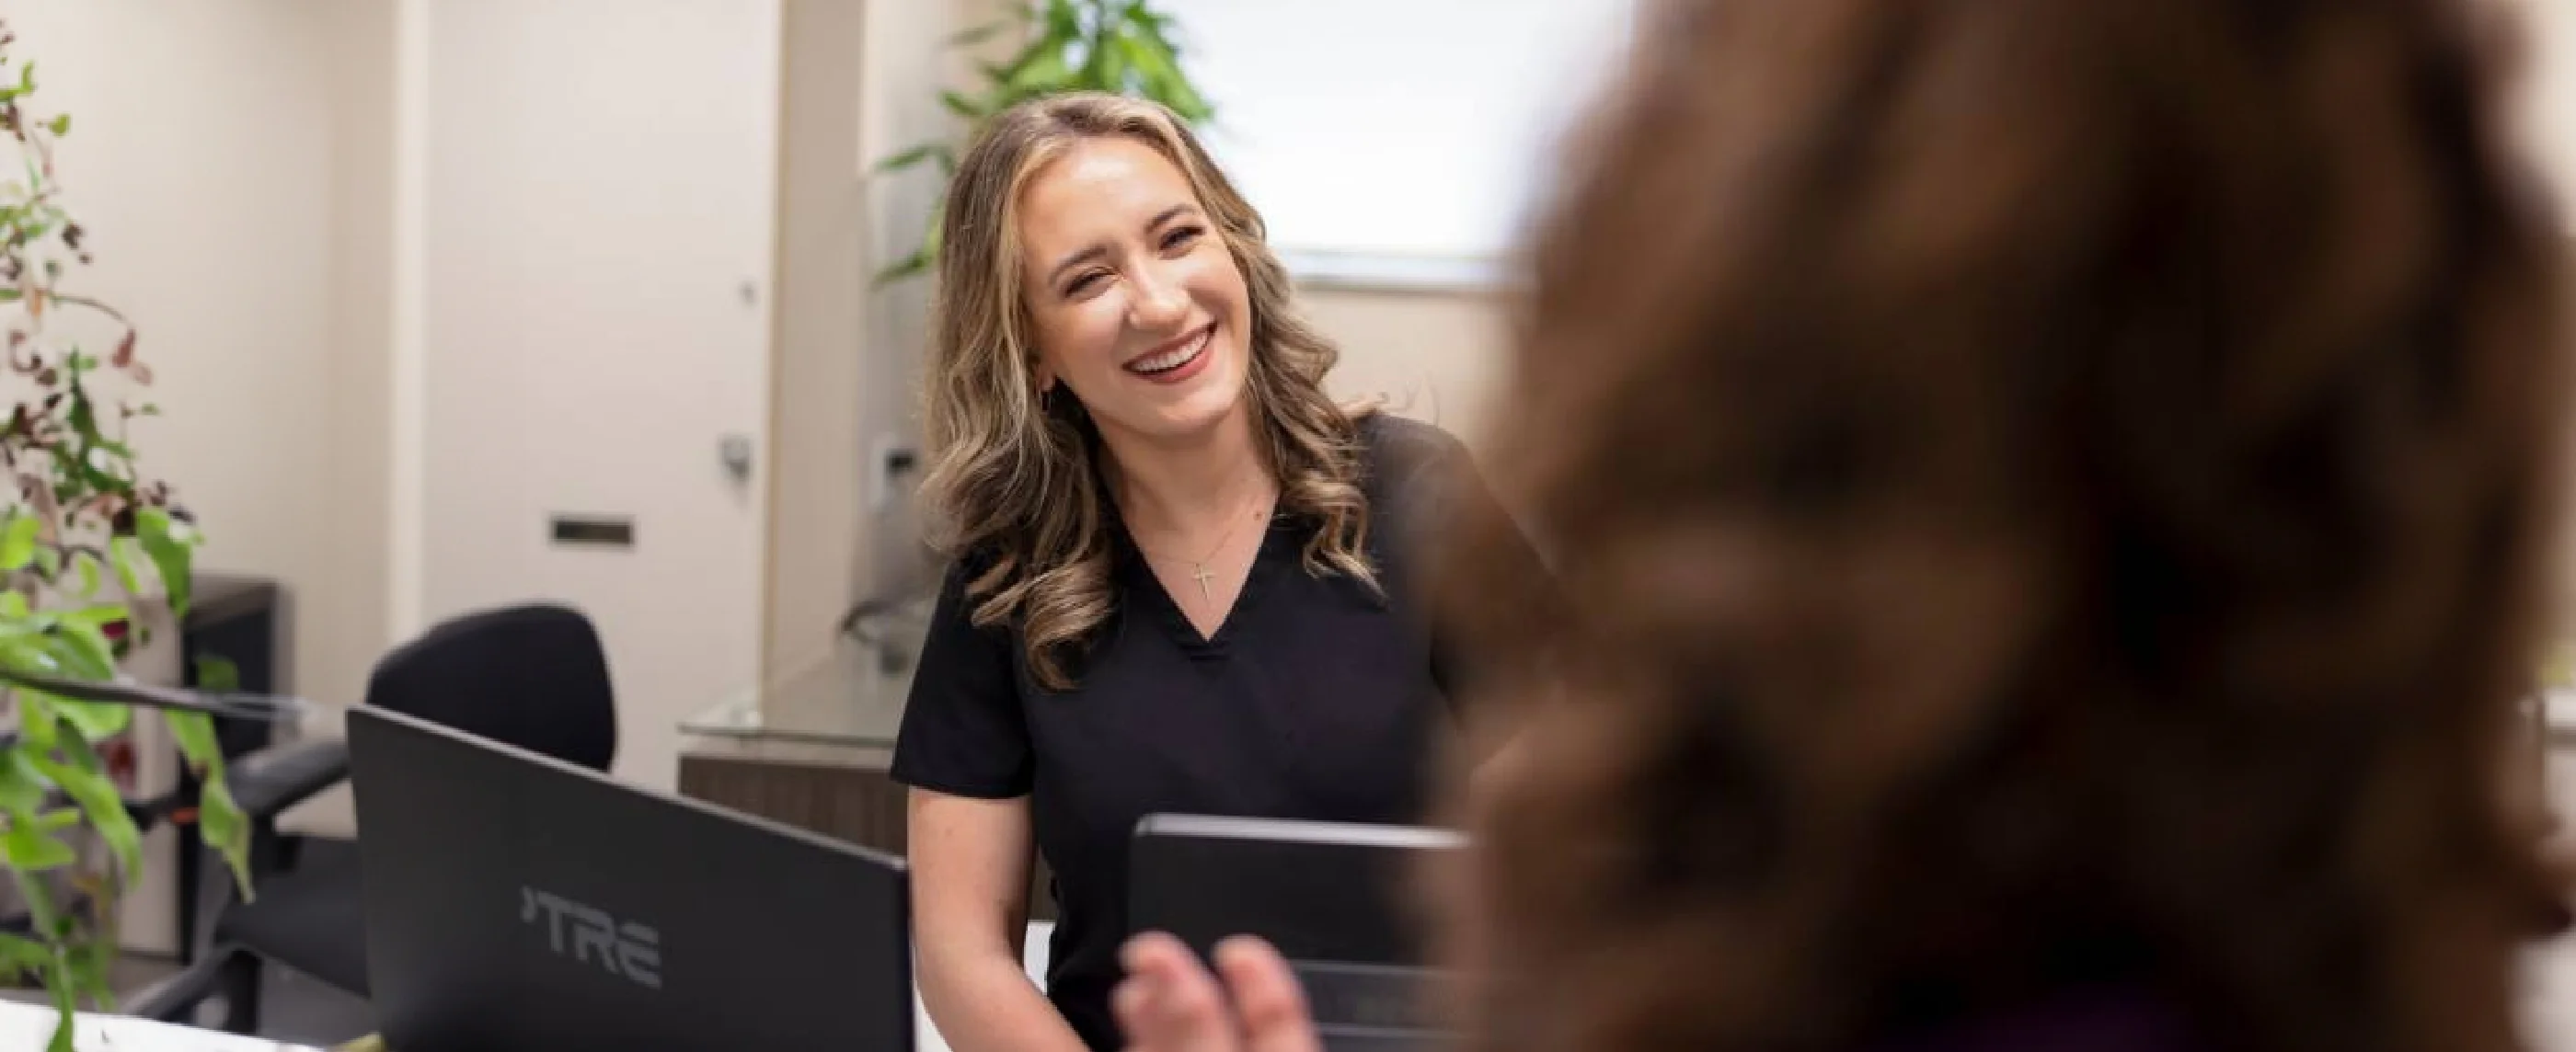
pixel 970 902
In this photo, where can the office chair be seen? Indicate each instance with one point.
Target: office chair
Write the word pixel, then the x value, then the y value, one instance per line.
pixel 530 676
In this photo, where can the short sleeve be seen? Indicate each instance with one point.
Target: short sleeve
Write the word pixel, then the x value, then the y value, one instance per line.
pixel 1429 484
pixel 963 729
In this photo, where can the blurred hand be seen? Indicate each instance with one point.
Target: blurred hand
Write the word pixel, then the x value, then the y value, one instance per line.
pixel 1170 1004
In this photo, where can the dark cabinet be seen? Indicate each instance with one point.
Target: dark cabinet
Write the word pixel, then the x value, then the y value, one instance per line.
pixel 856 803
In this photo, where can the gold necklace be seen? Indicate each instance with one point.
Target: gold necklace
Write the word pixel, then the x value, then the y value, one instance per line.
pixel 1198 567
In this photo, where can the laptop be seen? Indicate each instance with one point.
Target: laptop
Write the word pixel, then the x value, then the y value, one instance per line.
pixel 519 904
pixel 1334 898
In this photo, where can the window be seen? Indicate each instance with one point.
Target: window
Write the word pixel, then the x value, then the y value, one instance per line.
pixel 1396 141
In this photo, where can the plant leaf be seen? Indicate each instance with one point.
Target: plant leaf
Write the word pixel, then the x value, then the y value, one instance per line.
pixel 22 956
pixel 37 722
pixel 1106 65
pixel 1163 71
pixel 170 555
pixel 978 34
pixel 195 734
pixel 30 849
pixel 217 673
pixel 24 647
pixel 87 965
pixel 960 104
pixel 1063 22
pixel 1044 76
pixel 22 790
pixel 908 266
pixel 1154 24
pixel 94 721
pixel 908 158
pixel 66 1006
pixel 85 780
pixel 121 556
pixel 18 542
pixel 220 822
pixel 84 651
pixel 86 565
pixel 95 615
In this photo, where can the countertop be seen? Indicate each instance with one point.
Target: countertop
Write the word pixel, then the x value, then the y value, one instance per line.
pixel 26 1026
pixel 843 709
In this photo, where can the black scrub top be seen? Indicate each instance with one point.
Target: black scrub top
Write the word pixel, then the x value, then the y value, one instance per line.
pixel 1316 699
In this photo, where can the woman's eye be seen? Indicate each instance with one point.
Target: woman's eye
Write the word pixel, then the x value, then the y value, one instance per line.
pixel 1084 283
pixel 1181 236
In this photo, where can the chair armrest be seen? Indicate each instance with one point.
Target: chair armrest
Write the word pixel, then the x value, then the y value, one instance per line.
pixel 271 780
pixel 175 999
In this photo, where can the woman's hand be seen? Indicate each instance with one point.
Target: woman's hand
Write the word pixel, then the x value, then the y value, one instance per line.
pixel 1171 1004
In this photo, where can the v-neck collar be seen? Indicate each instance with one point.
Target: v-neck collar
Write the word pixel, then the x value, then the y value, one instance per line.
pixel 1143 582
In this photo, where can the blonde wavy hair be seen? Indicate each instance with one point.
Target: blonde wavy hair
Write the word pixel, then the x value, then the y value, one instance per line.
pixel 1015 481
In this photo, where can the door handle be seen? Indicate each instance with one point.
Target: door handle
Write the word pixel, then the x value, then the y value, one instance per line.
pixel 734 451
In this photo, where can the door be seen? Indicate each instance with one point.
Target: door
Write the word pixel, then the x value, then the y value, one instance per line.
pixel 598 194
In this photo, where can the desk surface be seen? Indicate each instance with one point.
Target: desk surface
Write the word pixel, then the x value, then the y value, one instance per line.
pixel 26 1026
pixel 846 700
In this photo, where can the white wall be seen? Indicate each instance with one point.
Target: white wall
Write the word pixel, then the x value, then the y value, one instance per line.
pixel 205 157
pixel 2549 103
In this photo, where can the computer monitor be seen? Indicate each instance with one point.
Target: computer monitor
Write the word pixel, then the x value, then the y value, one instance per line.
pixel 518 904
pixel 1336 899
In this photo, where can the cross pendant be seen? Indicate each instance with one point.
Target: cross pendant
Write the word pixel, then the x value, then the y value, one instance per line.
pixel 1199 571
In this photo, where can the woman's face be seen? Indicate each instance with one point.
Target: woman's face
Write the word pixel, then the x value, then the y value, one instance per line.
pixel 1139 307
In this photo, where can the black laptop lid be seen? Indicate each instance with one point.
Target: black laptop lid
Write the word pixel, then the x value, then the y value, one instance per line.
pixel 519 904
pixel 1338 901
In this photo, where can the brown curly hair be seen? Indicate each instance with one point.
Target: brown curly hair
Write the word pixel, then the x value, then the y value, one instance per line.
pixel 2056 492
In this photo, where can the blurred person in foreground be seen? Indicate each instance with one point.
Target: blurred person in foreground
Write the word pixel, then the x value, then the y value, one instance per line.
pixel 2060 496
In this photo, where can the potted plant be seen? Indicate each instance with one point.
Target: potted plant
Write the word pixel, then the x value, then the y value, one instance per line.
pixel 95 560
pixel 1121 46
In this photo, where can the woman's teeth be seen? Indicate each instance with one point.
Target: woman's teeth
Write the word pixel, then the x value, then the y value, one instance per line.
pixel 1171 359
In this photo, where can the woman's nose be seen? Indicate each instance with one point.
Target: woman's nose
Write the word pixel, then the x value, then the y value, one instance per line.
pixel 1159 301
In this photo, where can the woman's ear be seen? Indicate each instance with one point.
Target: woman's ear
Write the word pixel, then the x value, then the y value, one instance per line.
pixel 1042 375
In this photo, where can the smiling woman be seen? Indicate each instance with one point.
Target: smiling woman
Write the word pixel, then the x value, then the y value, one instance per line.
pixel 1174 588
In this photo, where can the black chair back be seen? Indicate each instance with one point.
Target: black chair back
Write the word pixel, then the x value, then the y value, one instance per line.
pixel 532 676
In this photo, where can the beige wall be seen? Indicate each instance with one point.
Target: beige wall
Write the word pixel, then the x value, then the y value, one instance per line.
pixel 2549 114
pixel 345 617
pixel 816 375
pixel 2549 121
pixel 1435 356
pixel 856 88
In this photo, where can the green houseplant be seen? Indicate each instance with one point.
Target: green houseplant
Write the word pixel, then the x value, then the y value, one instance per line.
pixel 92 555
pixel 1121 46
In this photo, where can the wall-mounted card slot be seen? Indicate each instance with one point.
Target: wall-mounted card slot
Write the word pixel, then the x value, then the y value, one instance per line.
pixel 594 531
